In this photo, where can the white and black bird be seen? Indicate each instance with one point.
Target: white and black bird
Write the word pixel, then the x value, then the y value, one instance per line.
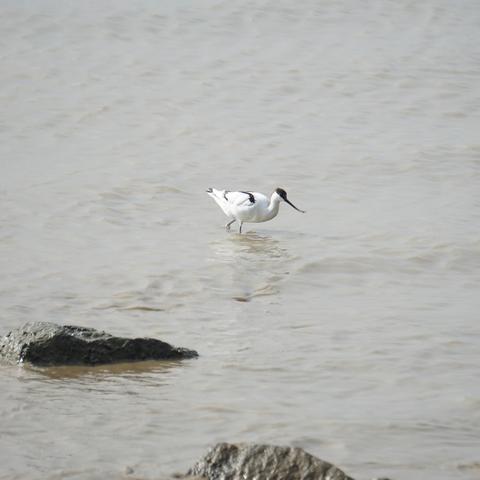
pixel 249 207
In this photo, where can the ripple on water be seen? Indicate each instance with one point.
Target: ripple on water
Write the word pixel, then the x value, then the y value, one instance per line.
pixel 425 258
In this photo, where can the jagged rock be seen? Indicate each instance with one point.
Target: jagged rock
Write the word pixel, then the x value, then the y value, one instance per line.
pixel 263 462
pixel 44 343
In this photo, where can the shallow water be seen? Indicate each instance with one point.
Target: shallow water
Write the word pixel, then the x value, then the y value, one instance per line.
pixel 351 331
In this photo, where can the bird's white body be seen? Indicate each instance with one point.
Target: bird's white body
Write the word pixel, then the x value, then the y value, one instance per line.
pixel 248 207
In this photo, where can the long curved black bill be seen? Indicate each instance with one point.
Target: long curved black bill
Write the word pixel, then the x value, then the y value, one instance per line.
pixel 290 203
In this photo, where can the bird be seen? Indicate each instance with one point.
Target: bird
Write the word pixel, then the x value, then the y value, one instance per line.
pixel 249 207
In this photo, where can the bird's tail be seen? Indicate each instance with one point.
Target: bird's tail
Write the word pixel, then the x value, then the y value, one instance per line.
pixel 218 196
pixel 214 193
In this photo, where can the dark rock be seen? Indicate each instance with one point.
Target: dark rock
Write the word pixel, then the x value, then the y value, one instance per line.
pixel 263 462
pixel 43 343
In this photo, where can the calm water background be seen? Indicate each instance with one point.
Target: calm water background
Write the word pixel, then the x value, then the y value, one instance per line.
pixel 351 331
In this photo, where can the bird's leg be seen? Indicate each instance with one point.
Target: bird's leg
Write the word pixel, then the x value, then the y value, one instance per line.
pixel 240 229
pixel 227 226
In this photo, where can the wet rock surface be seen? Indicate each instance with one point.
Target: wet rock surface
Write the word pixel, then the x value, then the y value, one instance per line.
pixel 263 462
pixel 44 343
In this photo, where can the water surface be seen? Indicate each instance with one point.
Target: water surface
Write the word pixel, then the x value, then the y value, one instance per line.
pixel 351 331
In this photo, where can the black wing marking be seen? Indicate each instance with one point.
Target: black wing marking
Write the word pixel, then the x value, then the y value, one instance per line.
pixel 250 197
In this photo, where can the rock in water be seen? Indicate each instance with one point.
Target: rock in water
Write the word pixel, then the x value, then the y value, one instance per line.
pixel 263 462
pixel 44 343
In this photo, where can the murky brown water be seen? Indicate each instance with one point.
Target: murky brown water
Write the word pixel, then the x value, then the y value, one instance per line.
pixel 351 331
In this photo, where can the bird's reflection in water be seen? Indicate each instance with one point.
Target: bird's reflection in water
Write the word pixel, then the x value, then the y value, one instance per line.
pixel 250 265
pixel 248 243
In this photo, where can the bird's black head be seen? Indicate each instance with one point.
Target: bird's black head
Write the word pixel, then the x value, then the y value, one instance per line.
pixel 281 192
pixel 283 195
